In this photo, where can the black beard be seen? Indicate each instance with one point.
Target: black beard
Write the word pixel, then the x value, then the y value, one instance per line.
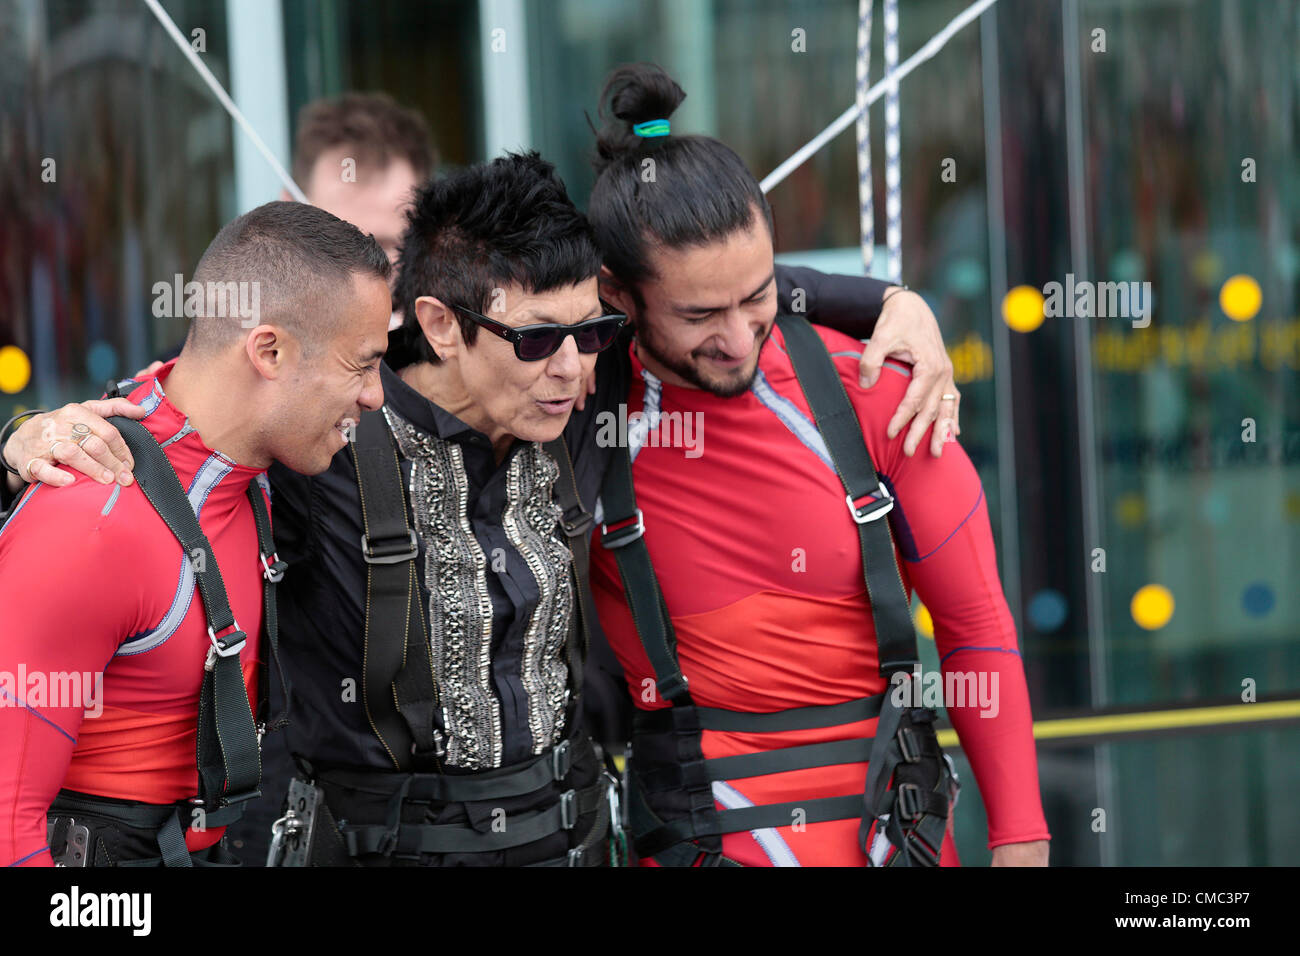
pixel 689 373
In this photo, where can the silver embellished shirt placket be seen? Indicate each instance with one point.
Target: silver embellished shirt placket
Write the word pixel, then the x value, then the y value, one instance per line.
pixel 530 519
pixel 460 604
pixel 460 607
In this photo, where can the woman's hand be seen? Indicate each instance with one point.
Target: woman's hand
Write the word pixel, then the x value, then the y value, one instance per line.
pixel 908 330
pixel 44 442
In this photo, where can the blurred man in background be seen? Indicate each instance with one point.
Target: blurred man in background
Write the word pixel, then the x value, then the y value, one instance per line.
pixel 360 156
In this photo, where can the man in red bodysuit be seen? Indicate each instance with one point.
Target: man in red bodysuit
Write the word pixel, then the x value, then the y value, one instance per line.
pixel 94 584
pixel 746 524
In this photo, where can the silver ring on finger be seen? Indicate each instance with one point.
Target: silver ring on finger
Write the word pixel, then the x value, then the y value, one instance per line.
pixel 54 443
pixel 80 433
pixel 949 397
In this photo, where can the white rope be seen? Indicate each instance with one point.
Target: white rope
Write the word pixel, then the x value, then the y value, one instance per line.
pixel 893 169
pixel 866 205
pixel 222 98
pixel 932 46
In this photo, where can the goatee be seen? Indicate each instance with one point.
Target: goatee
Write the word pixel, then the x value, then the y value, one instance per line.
pixel 690 373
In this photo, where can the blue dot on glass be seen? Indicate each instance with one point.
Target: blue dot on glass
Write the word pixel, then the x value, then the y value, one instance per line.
pixel 1047 610
pixel 1257 600
pixel 966 278
pixel 101 361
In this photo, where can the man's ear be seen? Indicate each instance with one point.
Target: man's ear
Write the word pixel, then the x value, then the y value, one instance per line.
pixel 440 326
pixel 616 293
pixel 269 350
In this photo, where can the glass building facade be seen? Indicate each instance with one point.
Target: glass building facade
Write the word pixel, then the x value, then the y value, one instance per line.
pixel 1142 473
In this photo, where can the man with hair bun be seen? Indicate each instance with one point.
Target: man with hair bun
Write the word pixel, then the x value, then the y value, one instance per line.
pixel 778 717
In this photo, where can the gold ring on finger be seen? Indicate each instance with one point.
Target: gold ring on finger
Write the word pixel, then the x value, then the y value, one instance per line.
pixel 80 433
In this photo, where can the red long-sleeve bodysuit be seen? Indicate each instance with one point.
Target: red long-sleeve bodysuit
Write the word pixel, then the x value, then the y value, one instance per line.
pixel 761 569
pixel 93 584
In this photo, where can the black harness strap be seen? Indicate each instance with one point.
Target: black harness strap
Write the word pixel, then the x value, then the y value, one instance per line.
pixel 398 685
pixel 757 764
pixel 867 501
pixel 905 746
pixel 624 533
pixel 796 718
pixel 272 572
pixel 576 523
pixel 531 776
pixel 228 755
pixel 401 835
pixel 740 819
pixel 413 838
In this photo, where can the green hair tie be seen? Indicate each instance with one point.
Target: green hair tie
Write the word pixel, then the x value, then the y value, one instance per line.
pixel 658 127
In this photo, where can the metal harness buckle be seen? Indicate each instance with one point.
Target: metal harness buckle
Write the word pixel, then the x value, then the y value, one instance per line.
pixel 77 851
pixel 908 746
pixel 412 549
pixel 560 761
pixel 908 802
pixel 625 535
pixel 220 646
pixel 579 525
pixel 569 809
pixel 881 504
pixel 274 570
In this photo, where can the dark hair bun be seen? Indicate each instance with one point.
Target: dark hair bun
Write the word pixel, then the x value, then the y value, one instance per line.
pixel 633 93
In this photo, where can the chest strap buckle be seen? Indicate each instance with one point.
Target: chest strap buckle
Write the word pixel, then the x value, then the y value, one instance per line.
pixel 383 552
pixel 882 503
pixel 228 646
pixel 628 531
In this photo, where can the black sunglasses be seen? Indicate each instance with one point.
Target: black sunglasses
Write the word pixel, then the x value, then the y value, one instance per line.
pixel 535 342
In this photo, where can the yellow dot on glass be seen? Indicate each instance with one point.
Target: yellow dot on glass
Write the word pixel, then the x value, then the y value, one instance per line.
pixel 1152 606
pixel 15 369
pixel 1022 308
pixel 1292 506
pixel 924 622
pixel 1131 509
pixel 1206 267
pixel 1240 298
